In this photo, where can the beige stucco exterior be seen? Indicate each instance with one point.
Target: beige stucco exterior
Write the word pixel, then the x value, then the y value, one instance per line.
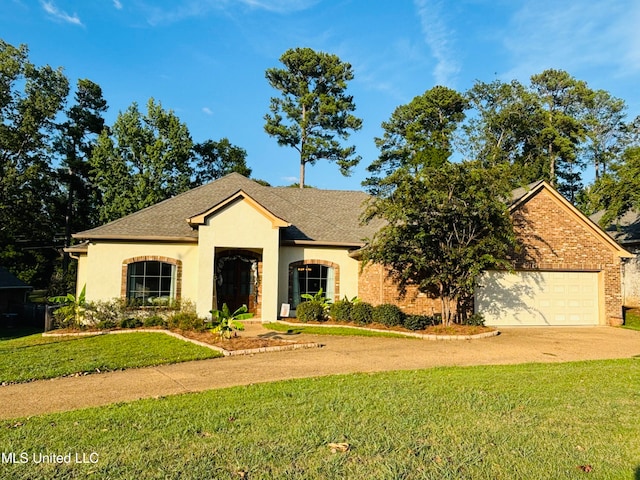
pixel 346 282
pixel 238 225
pixel 101 269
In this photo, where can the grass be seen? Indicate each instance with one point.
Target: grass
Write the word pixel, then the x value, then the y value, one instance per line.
pixel 542 421
pixel 632 319
pixel 32 357
pixel 345 331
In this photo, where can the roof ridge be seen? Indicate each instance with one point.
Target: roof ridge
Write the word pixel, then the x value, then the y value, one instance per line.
pixel 162 202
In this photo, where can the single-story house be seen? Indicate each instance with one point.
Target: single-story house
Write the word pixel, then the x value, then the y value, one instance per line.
pixel 238 242
pixel 626 231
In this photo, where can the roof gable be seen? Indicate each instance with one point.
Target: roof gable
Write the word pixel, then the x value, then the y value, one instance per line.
pixel 8 281
pixel 329 217
pixel 201 218
pixel 522 196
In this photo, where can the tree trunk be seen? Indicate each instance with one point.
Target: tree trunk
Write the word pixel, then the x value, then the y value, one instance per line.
pixel 301 174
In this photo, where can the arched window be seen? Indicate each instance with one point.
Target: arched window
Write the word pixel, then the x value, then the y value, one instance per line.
pixel 310 278
pixel 151 282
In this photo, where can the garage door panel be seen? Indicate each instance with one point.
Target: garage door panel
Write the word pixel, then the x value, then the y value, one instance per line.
pixel 538 298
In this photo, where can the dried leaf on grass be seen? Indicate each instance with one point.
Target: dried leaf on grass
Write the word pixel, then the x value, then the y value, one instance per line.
pixel 339 447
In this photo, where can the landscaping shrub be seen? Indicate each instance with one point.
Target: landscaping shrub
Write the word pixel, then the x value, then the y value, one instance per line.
pixel 154 321
pixel 186 321
pixel 106 324
pixel 477 319
pixel 341 311
pixel 130 322
pixel 105 314
pixel 362 313
pixel 311 311
pixel 420 322
pixel 388 314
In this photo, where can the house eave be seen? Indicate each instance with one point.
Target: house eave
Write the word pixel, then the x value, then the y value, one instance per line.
pixel 138 238
pixel 619 250
pixel 320 243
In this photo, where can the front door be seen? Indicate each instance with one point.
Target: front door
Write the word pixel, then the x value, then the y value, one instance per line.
pixel 236 285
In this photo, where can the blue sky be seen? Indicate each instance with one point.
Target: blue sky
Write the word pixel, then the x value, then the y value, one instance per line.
pixel 205 59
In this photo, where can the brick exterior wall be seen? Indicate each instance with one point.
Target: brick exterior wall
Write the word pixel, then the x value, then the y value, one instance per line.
pixel 550 237
pixel 375 287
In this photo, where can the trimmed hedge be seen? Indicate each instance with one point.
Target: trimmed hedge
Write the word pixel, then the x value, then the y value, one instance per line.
pixel 186 321
pixel 388 314
pixel 340 311
pixel 362 313
pixel 420 322
pixel 311 311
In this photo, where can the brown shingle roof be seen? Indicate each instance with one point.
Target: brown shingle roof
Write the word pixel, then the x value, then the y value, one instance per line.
pixel 625 230
pixel 325 216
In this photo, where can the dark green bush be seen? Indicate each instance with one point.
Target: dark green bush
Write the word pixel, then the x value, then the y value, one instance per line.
pixel 106 324
pixel 311 311
pixel 477 319
pixel 341 311
pixel 130 322
pixel 362 313
pixel 420 322
pixel 388 314
pixel 186 321
pixel 154 321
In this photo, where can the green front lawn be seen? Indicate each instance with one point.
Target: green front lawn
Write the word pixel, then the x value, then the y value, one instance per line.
pixel 536 421
pixel 34 357
pixel 344 331
pixel 632 319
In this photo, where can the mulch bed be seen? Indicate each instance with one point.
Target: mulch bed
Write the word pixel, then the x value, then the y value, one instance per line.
pixel 234 343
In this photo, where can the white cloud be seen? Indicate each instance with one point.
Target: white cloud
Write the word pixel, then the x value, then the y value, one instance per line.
pixel 280 6
pixel 117 4
pixel 194 8
pixel 289 179
pixel 207 110
pixel 568 35
pixel 52 10
pixel 439 38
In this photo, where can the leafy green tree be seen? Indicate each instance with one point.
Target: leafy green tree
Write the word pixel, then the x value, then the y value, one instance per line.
pixel 418 135
pixel 550 129
pixel 143 160
pixel 503 129
pixel 30 99
pixel 563 101
pixel 217 159
pixel 313 112
pixel 619 190
pixel 445 225
pixel 605 130
pixel 75 142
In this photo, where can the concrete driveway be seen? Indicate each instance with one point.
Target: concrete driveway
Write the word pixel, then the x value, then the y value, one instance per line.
pixel 339 355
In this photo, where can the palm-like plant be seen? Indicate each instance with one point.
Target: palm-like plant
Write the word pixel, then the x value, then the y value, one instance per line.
pixel 71 310
pixel 226 322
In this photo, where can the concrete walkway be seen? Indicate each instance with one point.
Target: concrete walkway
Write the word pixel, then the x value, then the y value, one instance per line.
pixel 339 355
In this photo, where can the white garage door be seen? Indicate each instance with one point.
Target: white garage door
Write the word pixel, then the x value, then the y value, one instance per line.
pixel 538 298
